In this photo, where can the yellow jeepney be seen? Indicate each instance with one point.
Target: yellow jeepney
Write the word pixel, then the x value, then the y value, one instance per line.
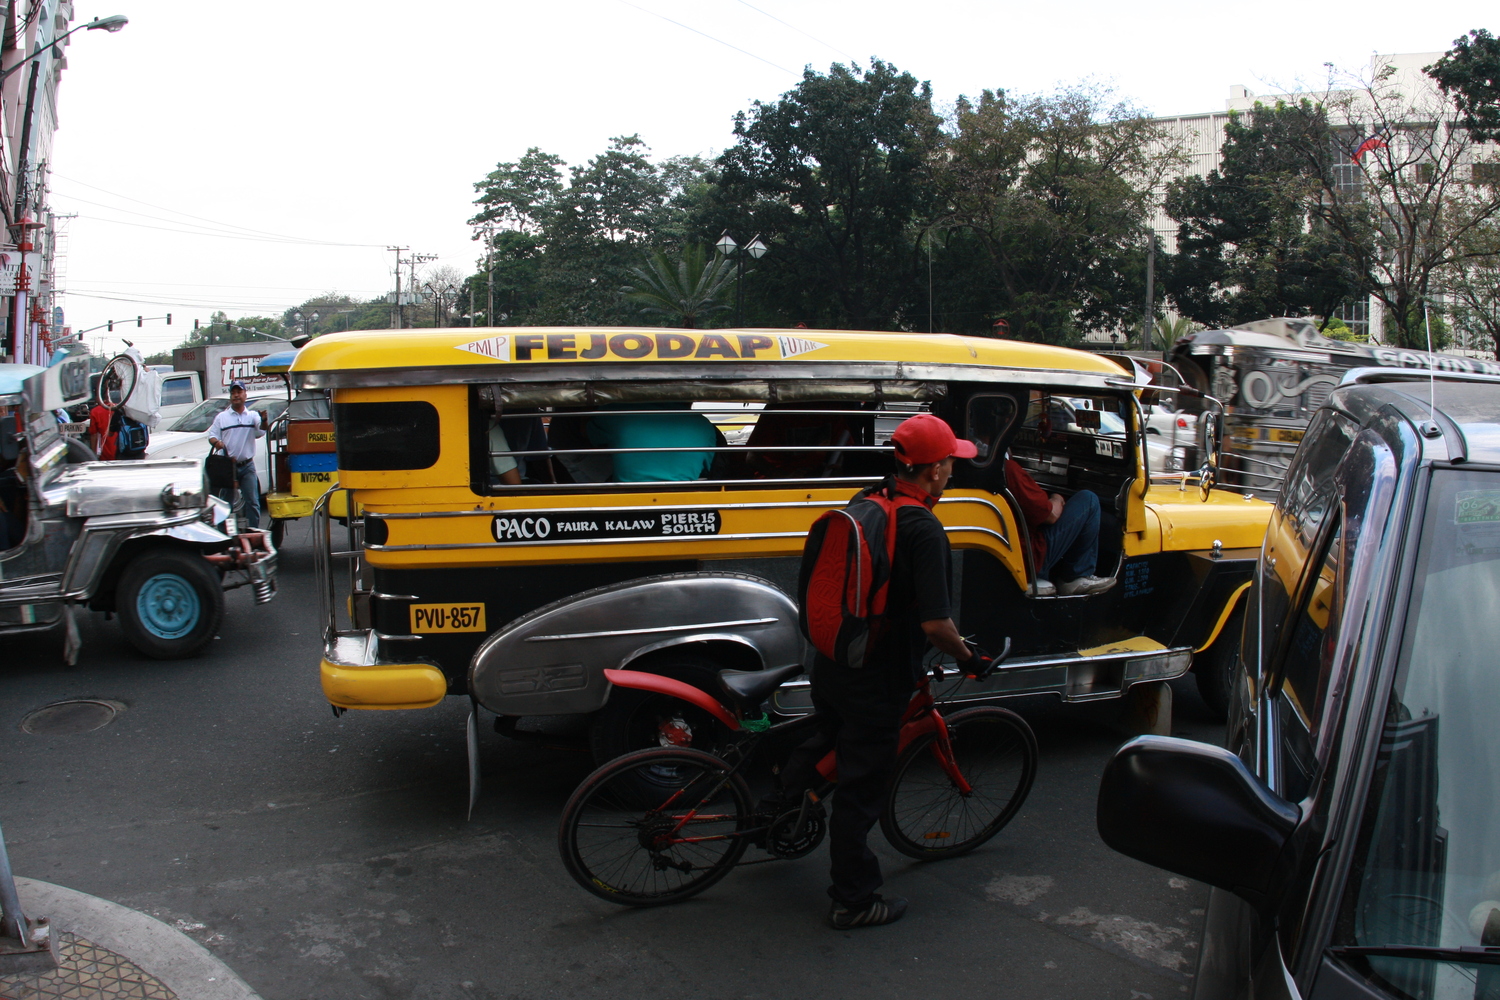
pixel 500 557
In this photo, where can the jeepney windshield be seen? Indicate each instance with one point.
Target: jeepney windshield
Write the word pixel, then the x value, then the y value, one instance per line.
pixel 1427 867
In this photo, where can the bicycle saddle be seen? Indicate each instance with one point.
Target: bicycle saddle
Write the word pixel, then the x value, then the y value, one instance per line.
pixel 748 688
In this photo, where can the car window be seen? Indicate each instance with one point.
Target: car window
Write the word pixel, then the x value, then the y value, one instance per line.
pixel 199 417
pixel 1306 669
pixel 175 391
pixel 1426 867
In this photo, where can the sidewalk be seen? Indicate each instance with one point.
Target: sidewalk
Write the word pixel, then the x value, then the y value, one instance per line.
pixel 111 952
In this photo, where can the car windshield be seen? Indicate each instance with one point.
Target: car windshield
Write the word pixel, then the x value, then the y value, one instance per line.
pixel 196 420
pixel 1427 865
pixel 199 417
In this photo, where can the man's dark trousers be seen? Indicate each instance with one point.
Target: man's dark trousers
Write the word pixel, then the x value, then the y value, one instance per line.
pixel 861 718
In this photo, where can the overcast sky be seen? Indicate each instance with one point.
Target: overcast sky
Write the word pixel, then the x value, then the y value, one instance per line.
pixel 245 157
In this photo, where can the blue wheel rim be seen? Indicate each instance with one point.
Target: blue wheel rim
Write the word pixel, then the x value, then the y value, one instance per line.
pixel 168 606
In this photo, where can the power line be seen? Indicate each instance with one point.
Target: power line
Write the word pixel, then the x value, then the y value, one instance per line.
pixel 798 30
pixel 216 222
pixel 711 38
pixel 223 236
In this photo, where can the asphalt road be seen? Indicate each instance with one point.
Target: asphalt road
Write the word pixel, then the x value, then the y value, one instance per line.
pixel 328 858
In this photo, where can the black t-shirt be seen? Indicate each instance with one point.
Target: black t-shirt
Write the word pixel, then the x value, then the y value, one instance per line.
pixel 919 592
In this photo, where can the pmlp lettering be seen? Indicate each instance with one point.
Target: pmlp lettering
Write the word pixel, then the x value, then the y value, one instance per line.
pixel 594 346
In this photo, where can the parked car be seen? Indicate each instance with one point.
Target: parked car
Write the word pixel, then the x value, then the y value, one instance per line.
pixel 188 436
pixel 1350 828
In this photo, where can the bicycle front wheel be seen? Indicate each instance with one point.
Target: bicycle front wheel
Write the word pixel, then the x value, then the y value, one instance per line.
pixel 930 815
pixel 655 826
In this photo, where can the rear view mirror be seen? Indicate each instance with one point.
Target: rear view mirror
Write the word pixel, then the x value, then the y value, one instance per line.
pixel 1196 810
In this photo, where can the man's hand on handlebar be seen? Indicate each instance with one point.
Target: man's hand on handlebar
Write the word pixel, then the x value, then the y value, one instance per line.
pixel 982 664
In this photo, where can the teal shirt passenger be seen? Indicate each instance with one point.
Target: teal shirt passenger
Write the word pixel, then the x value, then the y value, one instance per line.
pixel 660 430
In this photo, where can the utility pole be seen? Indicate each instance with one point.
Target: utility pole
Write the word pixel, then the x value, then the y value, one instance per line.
pixel 412 260
pixel 1150 291
pixel 489 266
pixel 398 317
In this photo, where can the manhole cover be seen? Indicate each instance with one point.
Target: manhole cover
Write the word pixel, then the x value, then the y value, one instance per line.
pixel 80 716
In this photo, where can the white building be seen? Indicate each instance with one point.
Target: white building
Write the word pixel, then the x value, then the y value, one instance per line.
pixel 1201 138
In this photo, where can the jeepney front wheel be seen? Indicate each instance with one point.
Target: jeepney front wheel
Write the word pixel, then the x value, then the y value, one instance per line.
pixel 170 603
pixel 1214 668
pixel 278 531
pixel 635 720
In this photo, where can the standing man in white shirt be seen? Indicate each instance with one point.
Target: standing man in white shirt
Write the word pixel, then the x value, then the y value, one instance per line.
pixel 235 430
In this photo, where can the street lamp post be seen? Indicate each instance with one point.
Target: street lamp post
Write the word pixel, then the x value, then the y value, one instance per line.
pixel 111 24
pixel 306 324
pixel 756 249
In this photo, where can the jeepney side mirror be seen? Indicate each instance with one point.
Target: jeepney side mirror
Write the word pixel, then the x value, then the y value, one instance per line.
pixel 1210 434
pixel 1196 810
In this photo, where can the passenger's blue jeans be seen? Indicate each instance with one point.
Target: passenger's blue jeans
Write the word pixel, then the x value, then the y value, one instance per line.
pixel 244 474
pixel 1073 540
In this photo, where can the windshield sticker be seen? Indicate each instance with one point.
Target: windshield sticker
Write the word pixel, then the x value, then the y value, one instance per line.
pixel 641 346
pixel 494 348
pixel 563 526
pixel 1477 515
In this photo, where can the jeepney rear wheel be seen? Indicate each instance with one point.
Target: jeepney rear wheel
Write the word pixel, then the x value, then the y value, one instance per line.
pixel 1214 668
pixel 278 530
pixel 170 603
pixel 634 720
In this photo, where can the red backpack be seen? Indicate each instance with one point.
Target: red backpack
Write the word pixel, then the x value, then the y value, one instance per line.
pixel 846 575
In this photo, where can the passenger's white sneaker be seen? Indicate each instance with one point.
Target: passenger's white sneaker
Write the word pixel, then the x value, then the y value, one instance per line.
pixel 1085 585
pixel 1044 588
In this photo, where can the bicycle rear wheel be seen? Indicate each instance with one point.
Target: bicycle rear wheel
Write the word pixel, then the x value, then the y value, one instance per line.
pixel 928 816
pixel 655 826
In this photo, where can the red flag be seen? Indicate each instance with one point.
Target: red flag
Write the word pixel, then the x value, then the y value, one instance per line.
pixel 1373 142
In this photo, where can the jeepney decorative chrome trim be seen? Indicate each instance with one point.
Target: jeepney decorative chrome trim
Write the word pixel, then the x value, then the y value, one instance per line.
pixel 651 631
pixel 647 539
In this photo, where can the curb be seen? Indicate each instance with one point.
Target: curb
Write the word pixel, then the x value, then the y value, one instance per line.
pixel 182 964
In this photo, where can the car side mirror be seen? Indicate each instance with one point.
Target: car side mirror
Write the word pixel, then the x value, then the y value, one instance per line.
pixel 1196 810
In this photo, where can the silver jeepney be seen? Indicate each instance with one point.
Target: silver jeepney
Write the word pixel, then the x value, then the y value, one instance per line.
pixel 1272 375
pixel 81 532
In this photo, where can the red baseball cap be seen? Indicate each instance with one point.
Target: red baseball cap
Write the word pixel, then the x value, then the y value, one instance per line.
pixel 924 439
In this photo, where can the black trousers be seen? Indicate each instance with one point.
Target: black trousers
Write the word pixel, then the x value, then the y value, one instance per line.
pixel 863 723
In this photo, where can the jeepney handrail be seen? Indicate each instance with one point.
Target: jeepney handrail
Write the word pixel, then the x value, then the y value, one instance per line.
pixel 323 554
pixel 737 449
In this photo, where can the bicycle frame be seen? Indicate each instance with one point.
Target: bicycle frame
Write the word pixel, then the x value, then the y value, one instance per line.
pixel 920 718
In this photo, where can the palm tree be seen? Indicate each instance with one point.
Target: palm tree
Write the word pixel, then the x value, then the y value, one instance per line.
pixel 689 288
pixel 1170 330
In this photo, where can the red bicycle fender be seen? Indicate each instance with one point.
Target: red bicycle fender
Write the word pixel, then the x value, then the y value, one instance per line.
pixel 657 684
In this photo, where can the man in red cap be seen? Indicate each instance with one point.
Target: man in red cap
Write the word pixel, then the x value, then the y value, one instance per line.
pixel 859 709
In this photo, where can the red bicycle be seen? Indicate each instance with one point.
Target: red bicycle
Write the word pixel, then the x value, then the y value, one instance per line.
pixel 662 824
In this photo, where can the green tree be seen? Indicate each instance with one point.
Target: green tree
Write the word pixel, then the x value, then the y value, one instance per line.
pixel 685 290
pixel 1469 73
pixel 834 176
pixel 1248 244
pixel 520 195
pixel 1042 206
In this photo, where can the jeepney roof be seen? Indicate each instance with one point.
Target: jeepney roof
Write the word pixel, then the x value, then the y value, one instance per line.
pixel 410 357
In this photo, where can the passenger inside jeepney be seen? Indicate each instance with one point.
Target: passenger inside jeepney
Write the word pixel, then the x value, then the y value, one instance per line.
pixel 523 432
pixel 821 435
pixel 670 425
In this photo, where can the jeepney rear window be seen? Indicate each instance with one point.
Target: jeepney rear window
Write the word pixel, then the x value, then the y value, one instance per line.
pixel 382 437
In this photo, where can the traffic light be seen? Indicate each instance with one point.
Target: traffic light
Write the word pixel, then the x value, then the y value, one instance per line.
pixel 169 319
pixel 195 325
pixel 111 326
pixel 138 321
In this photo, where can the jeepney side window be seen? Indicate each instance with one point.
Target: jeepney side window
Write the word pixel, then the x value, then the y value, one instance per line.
pixel 387 436
pixel 989 420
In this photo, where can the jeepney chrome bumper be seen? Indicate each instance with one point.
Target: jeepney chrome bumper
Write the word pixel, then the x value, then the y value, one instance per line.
pixel 1071 678
pixel 353 677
